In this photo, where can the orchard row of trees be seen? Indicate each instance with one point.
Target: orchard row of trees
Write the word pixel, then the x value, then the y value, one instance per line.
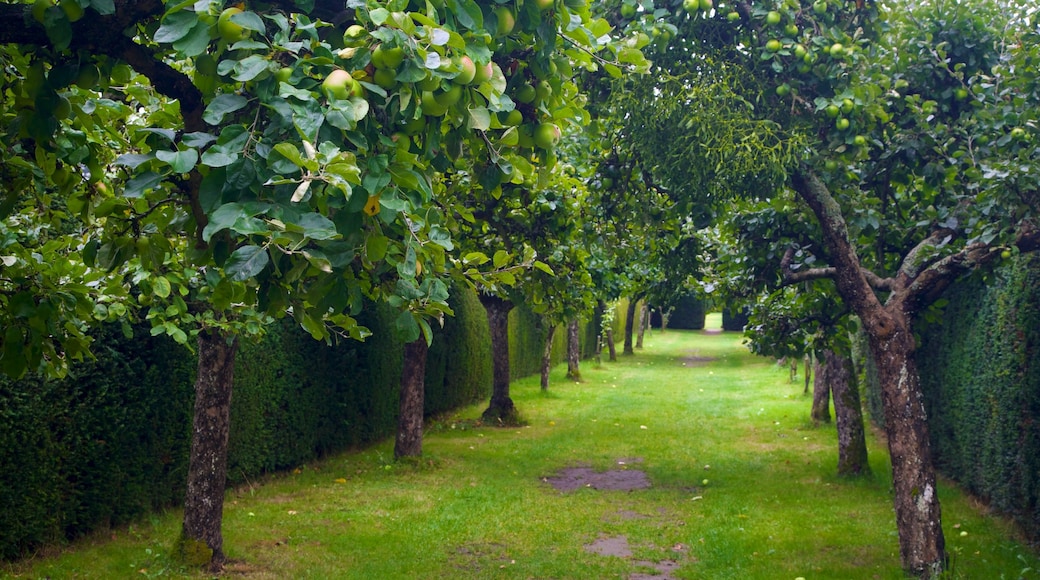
pixel 207 167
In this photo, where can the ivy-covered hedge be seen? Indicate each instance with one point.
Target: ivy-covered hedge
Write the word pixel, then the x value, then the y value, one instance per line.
pixel 111 441
pixel 980 371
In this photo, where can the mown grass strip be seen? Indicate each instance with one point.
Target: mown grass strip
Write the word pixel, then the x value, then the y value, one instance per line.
pixel 743 486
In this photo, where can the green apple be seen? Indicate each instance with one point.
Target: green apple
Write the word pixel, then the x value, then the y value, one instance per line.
pixel 733 16
pixel 543 4
pixel 783 90
pixel 705 5
pixel 230 31
pixel 860 141
pixel 546 135
pixel 282 75
pixel 39 9
pixel 847 105
pixel 1005 254
pixel 820 7
pixel 73 11
pixel 385 78
pixel 483 73
pixel 88 76
pixel 543 91
pixel 773 18
pixel 800 52
pixel 505 20
pixel 340 85
pixel 791 30
pixel 449 97
pixel 511 119
pixel 960 94
pixel 526 94
pixel 837 50
pixel 430 106
pixel 842 123
pixel 773 45
pixel 467 70
pixel 628 10
pixel 832 111
pixel 691 5
pixel 1018 133
pixel 390 57
pixel 353 34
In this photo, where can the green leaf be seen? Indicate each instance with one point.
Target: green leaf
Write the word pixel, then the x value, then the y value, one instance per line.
pixel 406 268
pixel 479 119
pixel 221 106
pixel 407 328
pixel 544 267
pixel 180 161
pixel 317 227
pixel 175 26
pixel 161 287
pixel 441 237
pixel 250 67
pixel 501 258
pixel 224 217
pixel 245 262
pixel 376 248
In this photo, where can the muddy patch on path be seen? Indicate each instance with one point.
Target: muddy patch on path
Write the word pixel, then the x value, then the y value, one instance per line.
pixel 573 478
pixel 617 546
pixel 695 360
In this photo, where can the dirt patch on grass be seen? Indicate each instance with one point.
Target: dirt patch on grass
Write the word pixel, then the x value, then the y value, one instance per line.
pixel 695 361
pixel 573 478
pixel 617 546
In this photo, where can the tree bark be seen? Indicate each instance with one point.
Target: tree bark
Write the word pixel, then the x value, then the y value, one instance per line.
pixel 573 351
pixel 501 409
pixel 207 463
pixel 821 400
pixel 848 414
pixel 644 320
pixel 611 347
pixel 547 356
pixel 630 319
pixel 922 546
pixel 410 418
pixel 810 367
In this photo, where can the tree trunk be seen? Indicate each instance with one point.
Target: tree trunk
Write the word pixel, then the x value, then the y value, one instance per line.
pixel 630 319
pixel 821 399
pixel 665 315
pixel 810 365
pixel 644 320
pixel 573 351
pixel 922 546
pixel 501 409
pixel 201 538
pixel 547 356
pixel 611 347
pixel 410 417
pixel 848 414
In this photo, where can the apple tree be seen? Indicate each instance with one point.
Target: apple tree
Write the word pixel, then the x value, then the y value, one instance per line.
pixel 908 133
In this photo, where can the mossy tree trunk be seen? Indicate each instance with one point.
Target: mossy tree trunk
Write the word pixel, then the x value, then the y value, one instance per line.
pixel 644 321
pixel 501 409
pixel 408 442
pixel 630 320
pixel 547 356
pixel 821 400
pixel 207 463
pixel 573 351
pixel 922 545
pixel 848 414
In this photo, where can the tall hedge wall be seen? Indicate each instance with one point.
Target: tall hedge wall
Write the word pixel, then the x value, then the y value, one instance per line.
pixel 980 371
pixel 110 442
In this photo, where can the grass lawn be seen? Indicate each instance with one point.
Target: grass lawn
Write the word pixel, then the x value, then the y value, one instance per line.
pixel 741 486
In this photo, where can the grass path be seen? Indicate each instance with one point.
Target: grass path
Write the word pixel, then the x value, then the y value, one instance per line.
pixel 689 408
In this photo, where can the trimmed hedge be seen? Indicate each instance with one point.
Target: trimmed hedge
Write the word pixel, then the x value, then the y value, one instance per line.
pixel 110 442
pixel 980 372
pixel 734 320
pixel 688 313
